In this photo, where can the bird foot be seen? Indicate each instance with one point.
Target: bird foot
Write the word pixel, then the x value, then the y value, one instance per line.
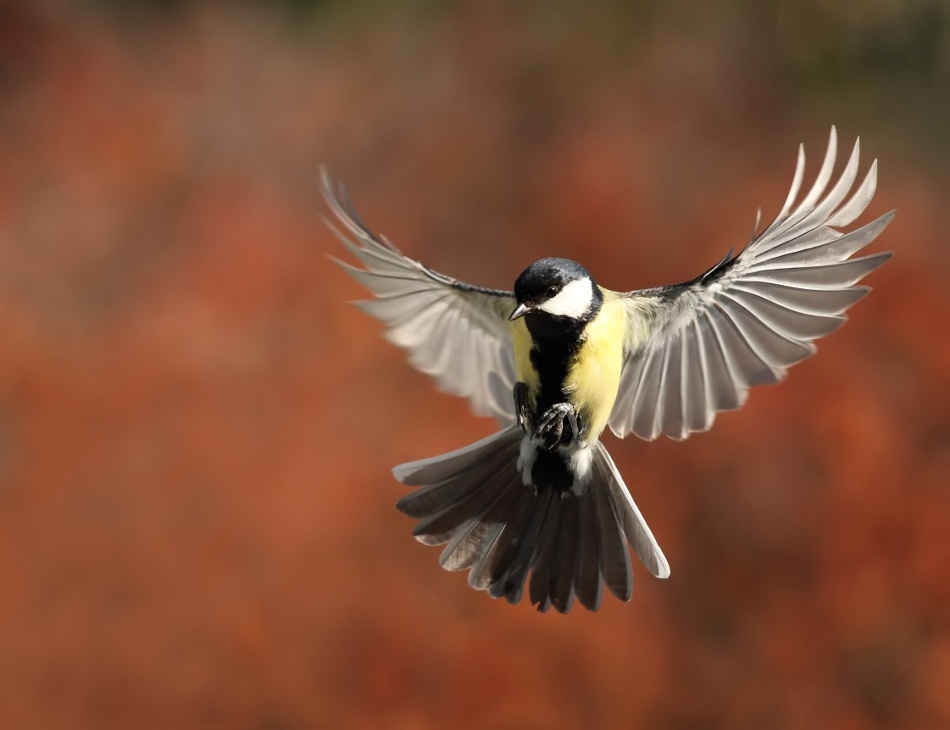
pixel 550 430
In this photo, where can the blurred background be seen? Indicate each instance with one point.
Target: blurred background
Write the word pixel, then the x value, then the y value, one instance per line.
pixel 196 428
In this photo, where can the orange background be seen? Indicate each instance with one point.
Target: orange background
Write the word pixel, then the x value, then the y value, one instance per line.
pixel 196 429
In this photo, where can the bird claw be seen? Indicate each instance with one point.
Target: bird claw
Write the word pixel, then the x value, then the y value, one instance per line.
pixel 549 430
pixel 550 427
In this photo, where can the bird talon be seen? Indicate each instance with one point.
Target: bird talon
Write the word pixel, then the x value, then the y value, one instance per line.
pixel 550 428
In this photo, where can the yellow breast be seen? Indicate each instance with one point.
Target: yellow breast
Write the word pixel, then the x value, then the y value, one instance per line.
pixel 523 367
pixel 594 377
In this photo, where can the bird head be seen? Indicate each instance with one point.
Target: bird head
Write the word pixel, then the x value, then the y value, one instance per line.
pixel 557 288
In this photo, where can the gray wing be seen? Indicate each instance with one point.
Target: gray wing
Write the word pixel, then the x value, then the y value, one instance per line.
pixel 695 348
pixel 457 333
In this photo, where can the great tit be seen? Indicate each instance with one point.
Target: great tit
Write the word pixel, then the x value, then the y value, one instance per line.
pixel 560 358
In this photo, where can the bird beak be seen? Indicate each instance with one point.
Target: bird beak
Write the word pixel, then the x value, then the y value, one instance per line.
pixel 520 311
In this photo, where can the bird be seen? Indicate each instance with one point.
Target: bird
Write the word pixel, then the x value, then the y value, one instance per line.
pixel 540 504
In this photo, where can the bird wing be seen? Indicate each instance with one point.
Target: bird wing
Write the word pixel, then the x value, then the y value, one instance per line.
pixel 455 332
pixel 695 348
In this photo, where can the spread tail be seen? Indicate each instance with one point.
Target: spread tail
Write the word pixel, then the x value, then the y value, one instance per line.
pixel 474 502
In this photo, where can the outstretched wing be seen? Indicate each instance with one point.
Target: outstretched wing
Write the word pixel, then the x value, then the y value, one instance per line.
pixel 455 332
pixel 695 348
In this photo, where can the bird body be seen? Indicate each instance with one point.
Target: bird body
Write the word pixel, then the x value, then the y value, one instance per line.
pixel 568 349
pixel 559 359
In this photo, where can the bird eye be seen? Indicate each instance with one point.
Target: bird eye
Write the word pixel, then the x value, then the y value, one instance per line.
pixel 552 291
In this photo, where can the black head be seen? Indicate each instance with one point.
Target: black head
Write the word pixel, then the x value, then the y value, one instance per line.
pixel 558 288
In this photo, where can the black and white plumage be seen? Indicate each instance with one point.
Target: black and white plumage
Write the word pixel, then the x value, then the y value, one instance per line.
pixel 542 496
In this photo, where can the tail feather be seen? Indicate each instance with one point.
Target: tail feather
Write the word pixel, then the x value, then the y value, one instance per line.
pixel 463 472
pixel 614 556
pixel 472 547
pixel 460 553
pixel 540 588
pixel 564 574
pixel 511 570
pixel 507 507
pixel 590 583
pixel 514 528
pixel 472 503
pixel 476 545
pixel 429 471
pixel 571 543
pixel 634 526
pixel 479 534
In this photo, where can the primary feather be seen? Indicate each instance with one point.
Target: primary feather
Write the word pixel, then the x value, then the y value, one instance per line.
pixel 453 331
pixel 695 348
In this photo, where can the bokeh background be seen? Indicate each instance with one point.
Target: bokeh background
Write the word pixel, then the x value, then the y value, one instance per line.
pixel 196 428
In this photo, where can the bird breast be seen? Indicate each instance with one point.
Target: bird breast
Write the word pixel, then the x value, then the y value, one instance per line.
pixel 594 377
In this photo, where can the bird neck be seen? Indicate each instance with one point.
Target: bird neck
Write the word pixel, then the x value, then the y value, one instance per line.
pixel 550 330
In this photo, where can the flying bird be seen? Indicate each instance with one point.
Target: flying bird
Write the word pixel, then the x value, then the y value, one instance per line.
pixel 560 358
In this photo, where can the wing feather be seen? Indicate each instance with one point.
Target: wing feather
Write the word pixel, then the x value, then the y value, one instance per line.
pixel 455 332
pixel 670 400
pixel 724 390
pixel 694 349
pixel 646 395
pixel 850 211
pixel 694 387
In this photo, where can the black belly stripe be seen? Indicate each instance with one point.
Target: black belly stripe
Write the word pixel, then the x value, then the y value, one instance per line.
pixel 556 342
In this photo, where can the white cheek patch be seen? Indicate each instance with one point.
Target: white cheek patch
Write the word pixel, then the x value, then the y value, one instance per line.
pixel 572 301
